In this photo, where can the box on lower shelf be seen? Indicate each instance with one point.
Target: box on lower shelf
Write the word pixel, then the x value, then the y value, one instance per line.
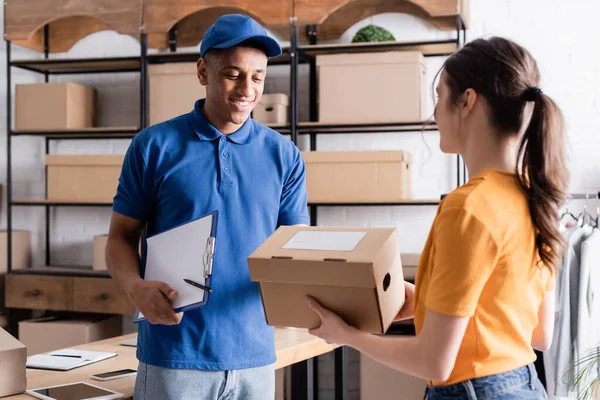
pixel 54 106
pixel 410 261
pixel 272 109
pixel 21 249
pixel 358 176
pixel 53 333
pixel 81 178
pixel 378 381
pixel 99 252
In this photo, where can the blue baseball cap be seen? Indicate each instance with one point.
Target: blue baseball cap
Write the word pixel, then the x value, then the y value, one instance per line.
pixel 232 29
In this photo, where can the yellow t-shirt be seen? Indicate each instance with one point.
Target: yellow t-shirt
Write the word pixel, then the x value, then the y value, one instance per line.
pixel 480 261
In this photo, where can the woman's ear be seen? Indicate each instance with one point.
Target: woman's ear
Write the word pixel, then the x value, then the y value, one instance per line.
pixel 467 102
pixel 202 71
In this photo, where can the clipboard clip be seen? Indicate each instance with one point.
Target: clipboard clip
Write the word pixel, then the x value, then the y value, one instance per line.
pixel 208 258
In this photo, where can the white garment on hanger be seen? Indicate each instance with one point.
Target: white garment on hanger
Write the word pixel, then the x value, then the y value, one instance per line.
pixel 559 358
pixel 588 320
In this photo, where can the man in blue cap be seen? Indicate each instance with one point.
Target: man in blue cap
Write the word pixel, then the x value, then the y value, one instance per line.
pixel 213 158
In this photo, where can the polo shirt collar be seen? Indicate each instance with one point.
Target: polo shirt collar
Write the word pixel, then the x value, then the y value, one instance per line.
pixel 207 131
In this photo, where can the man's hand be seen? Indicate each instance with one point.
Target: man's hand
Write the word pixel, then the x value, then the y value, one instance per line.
pixel 153 299
pixel 408 308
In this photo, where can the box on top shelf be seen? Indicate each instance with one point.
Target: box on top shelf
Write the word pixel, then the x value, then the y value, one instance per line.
pixel 54 106
pixel 356 272
pixel 372 87
pixel 173 90
pixel 358 176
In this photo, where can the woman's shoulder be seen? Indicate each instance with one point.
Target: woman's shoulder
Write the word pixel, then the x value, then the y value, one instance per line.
pixel 490 196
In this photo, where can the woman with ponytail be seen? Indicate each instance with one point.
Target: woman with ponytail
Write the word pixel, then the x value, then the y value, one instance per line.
pixel 484 295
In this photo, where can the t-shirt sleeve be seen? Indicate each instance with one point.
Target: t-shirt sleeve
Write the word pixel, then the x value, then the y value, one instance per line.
pixel 135 193
pixel 465 254
pixel 293 209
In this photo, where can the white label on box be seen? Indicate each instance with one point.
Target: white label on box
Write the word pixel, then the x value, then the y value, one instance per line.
pixel 324 240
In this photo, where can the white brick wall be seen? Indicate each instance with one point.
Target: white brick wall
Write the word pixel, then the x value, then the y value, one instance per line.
pixel 561 35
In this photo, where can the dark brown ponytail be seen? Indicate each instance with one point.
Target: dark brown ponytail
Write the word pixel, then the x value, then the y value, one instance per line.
pixel 506 75
pixel 543 173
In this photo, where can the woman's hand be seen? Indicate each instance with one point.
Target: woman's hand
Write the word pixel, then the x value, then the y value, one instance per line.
pixel 408 308
pixel 333 329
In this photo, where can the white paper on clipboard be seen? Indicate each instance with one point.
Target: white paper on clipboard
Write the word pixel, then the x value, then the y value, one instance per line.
pixel 182 253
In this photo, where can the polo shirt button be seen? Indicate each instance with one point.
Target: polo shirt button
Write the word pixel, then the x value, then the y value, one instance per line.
pixel 226 169
pixel 223 138
pixel 225 154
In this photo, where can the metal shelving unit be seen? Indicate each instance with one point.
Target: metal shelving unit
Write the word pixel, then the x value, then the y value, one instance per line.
pixel 303 374
pixel 49 67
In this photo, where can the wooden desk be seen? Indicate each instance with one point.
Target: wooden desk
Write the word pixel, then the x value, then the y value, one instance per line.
pixel 291 345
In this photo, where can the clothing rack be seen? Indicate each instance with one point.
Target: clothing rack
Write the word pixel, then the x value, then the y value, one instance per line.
pixel 584 196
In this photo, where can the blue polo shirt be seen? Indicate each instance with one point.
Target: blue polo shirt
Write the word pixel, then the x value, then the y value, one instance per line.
pixel 184 168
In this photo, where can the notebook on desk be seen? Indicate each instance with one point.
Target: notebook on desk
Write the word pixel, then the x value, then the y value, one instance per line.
pixel 183 257
pixel 66 359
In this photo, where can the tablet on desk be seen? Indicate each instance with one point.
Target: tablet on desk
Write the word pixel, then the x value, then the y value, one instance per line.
pixel 74 391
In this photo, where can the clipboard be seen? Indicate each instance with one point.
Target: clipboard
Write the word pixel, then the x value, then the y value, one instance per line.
pixel 183 252
pixel 66 359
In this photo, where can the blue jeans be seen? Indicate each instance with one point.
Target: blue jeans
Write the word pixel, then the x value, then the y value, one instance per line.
pixel 520 383
pixel 158 383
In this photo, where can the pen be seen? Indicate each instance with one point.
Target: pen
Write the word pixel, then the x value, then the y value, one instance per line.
pixel 206 288
pixel 65 355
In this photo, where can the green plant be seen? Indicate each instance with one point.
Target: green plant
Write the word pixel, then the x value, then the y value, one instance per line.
pixel 580 371
pixel 372 33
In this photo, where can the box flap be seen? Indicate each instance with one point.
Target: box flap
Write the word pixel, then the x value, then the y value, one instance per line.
pixel 388 57
pixel 355 156
pixel 173 69
pixel 79 160
pixel 340 256
pixel 9 342
pixel 268 99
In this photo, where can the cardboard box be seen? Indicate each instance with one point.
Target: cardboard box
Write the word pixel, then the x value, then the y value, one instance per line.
pixel 21 250
pixel 2 296
pixel 358 176
pixel 410 262
pixel 364 87
pixel 355 272
pixel 54 106
pixel 272 109
pixel 173 90
pixel 378 381
pixel 53 333
pixel 83 178
pixel 13 356
pixel 99 252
